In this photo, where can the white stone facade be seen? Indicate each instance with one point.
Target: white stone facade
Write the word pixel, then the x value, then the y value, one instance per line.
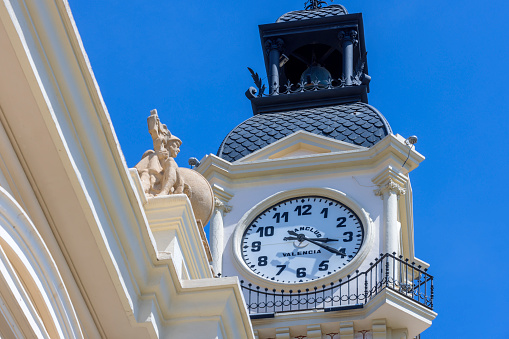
pixel 83 254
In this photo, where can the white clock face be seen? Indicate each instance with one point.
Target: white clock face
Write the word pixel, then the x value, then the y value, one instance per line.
pixel 302 239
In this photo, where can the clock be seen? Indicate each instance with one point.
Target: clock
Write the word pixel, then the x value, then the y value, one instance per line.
pixel 301 239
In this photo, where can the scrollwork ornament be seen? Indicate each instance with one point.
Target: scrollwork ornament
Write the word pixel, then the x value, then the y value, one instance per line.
pixel 222 206
pixel 390 187
pixel 349 36
pixel 274 44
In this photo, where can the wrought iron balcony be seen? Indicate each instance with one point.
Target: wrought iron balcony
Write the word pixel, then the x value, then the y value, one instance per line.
pixel 387 272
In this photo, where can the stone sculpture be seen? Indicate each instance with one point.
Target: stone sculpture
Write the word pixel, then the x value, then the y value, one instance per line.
pixel 160 174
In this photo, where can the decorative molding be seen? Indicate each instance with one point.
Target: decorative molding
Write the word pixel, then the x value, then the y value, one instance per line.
pixel 174 230
pixel 274 44
pixel 390 181
pixel 221 193
pixel 348 36
pixel 297 140
pixel 221 198
pixel 388 150
pixel 346 330
pixel 379 327
pixel 390 187
pixel 35 299
pixel 314 331
pixel 220 205
pixel 283 333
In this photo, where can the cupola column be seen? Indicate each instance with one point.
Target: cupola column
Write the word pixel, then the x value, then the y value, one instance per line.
pixel 390 185
pixel 348 40
pixel 221 198
pixel 274 48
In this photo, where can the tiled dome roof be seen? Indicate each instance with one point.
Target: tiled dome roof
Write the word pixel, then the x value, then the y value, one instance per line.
pixel 323 12
pixel 356 123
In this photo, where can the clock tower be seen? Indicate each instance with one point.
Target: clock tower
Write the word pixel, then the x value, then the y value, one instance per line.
pixel 313 197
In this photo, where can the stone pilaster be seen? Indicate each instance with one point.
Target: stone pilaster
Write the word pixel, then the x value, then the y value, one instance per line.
pixel 390 186
pixel 221 198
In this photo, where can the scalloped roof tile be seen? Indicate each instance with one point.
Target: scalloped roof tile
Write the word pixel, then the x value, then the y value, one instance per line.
pixel 323 12
pixel 263 129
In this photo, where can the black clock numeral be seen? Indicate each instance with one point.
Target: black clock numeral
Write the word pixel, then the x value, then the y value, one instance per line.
pixel 303 210
pixel 325 212
pixel 301 272
pixel 265 231
pixel 256 246
pixel 281 269
pixel 262 261
pixel 279 216
pixel 342 221
pixel 324 266
pixel 350 236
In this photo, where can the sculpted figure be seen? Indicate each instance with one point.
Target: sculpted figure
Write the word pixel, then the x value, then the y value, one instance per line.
pixel 159 173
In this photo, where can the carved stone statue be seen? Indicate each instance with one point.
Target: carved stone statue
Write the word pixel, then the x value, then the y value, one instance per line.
pixel 160 174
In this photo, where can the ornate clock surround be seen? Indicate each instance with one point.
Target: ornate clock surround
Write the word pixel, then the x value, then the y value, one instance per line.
pixel 330 193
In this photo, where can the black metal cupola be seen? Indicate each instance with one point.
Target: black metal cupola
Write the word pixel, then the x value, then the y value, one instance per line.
pixel 318 83
pixel 313 57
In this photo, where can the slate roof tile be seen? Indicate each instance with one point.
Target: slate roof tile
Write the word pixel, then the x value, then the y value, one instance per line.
pixel 365 128
pixel 323 12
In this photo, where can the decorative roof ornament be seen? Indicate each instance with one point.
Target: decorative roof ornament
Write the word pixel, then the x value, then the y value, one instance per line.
pixel 314 4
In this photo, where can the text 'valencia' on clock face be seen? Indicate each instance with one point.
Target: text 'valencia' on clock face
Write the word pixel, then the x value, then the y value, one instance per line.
pixel 302 239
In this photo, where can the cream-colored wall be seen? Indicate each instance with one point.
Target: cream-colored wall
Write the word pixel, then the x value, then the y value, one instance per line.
pixel 66 170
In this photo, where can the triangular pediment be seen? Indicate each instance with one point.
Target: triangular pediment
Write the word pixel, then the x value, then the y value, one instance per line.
pixel 300 144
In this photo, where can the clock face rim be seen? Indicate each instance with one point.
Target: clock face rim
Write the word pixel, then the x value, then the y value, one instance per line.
pixel 279 197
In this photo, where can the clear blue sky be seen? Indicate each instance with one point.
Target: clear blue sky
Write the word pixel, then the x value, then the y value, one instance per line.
pixel 439 71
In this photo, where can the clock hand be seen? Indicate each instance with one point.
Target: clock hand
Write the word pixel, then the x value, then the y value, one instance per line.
pixel 328 248
pixel 315 239
pixel 340 252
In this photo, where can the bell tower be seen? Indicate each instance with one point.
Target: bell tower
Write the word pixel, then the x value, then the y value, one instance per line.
pixel 313 194
pixel 312 50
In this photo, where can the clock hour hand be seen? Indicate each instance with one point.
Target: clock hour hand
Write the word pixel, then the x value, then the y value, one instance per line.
pixel 340 252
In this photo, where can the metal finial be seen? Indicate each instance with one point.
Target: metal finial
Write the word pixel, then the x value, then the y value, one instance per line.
pixel 314 4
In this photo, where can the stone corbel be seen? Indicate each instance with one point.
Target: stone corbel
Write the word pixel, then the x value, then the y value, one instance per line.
pixel 283 333
pixel 379 329
pixel 346 330
pixel 314 331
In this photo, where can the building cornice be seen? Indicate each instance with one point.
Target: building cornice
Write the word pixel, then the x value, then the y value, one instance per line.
pixel 391 149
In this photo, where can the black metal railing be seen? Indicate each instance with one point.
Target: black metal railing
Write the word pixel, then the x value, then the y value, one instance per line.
pixel 387 272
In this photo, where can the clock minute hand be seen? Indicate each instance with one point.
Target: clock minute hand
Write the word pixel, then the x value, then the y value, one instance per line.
pixel 323 239
pixel 328 248
pixel 315 239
